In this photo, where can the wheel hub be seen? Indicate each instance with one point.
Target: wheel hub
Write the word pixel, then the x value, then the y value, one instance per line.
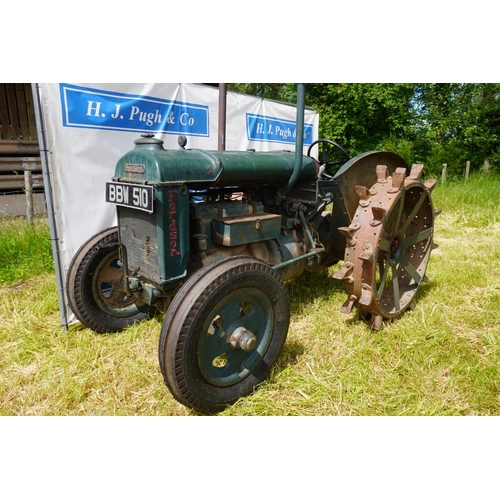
pixel 243 339
pixel 237 335
pixel 395 251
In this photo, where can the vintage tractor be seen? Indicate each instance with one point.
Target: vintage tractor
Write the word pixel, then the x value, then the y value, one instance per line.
pixel 209 237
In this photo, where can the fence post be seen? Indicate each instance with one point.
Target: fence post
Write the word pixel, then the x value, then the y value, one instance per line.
pixel 28 186
pixel 467 169
pixel 443 174
pixel 486 165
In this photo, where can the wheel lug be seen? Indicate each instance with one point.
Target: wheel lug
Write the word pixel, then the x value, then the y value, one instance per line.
pixel 243 339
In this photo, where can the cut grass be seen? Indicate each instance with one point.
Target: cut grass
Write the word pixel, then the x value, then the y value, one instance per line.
pixel 443 358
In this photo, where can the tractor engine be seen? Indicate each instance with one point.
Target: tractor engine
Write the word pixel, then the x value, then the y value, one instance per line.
pixel 179 210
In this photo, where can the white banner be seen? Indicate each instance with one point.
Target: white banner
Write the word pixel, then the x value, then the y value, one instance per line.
pixel 90 126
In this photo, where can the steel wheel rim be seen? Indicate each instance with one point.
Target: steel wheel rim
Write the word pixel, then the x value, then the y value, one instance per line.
pixel 108 290
pixel 219 362
pixel 403 252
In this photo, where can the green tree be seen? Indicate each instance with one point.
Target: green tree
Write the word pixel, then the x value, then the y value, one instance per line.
pixel 430 123
pixel 360 116
pixel 285 92
pixel 459 122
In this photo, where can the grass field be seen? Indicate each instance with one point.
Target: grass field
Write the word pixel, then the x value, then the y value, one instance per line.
pixel 443 358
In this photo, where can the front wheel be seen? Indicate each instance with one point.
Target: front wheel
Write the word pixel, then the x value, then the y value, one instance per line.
pixel 95 288
pixel 222 333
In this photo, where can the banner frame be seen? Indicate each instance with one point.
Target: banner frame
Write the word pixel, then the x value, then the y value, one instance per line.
pixel 49 200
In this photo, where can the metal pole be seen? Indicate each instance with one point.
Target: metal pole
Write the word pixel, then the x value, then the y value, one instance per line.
pixel 49 200
pixel 222 116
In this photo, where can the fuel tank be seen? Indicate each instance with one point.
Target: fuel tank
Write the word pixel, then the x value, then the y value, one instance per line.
pixel 150 163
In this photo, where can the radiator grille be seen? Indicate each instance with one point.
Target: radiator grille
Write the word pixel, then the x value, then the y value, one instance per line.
pixel 139 237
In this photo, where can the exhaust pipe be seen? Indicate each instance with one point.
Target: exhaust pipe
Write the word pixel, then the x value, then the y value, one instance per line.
pixel 299 141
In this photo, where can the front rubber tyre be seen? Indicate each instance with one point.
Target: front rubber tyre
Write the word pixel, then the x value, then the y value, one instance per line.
pixel 222 333
pixel 95 290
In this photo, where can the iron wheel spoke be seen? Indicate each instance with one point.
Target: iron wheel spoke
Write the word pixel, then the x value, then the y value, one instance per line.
pixel 414 212
pixel 408 267
pixel 395 285
pixel 384 244
pixel 417 238
pixel 383 277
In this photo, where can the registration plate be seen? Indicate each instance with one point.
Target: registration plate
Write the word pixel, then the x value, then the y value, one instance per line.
pixel 130 195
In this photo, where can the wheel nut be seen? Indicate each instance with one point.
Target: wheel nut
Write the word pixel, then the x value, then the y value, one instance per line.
pixel 243 339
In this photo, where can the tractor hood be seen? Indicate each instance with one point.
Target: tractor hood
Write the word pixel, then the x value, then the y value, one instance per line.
pixel 149 163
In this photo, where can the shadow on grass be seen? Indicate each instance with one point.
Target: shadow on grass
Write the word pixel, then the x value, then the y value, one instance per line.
pixel 307 288
pixel 290 354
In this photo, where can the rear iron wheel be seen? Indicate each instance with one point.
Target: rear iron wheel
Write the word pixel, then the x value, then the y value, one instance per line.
pixel 95 286
pixel 222 333
pixel 388 245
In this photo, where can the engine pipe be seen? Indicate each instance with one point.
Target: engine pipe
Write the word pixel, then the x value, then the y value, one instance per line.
pixel 222 116
pixel 299 141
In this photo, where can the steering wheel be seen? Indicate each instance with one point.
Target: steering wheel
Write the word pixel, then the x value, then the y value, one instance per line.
pixel 324 153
